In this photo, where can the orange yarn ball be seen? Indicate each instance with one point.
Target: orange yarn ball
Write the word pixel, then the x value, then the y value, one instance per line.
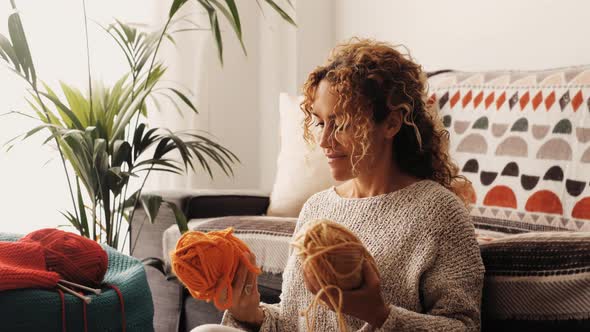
pixel 206 263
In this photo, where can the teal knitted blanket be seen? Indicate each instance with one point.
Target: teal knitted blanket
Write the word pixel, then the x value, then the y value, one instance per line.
pixel 41 310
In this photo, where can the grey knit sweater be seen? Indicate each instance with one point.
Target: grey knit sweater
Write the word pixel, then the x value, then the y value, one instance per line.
pixel 424 245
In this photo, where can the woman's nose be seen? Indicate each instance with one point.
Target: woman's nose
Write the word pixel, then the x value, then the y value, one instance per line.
pixel 326 138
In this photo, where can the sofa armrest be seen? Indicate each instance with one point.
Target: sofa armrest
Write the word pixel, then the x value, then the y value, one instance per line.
pixel 146 238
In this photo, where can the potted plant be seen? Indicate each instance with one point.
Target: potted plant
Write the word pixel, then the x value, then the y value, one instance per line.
pixel 101 135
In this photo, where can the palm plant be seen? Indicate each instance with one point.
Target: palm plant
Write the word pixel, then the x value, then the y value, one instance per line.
pixel 100 133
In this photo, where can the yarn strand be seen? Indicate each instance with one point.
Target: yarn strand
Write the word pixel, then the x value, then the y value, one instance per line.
pixel 63 309
pixel 122 304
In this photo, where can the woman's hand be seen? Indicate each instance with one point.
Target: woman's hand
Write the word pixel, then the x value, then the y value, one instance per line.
pixel 365 302
pixel 245 296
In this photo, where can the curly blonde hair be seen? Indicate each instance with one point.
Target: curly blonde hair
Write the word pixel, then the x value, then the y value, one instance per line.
pixel 371 79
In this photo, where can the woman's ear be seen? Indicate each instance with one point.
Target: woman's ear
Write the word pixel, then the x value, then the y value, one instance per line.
pixel 393 123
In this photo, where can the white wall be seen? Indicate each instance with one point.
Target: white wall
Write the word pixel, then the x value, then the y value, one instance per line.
pixel 287 56
pixel 226 97
pixel 474 34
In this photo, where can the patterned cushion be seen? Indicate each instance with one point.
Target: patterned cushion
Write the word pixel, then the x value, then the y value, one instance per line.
pixel 523 139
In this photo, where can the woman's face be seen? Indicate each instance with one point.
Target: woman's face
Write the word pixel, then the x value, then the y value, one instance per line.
pixel 337 147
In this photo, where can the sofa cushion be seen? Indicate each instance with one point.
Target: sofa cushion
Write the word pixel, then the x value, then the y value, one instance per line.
pixel 537 276
pixel 523 139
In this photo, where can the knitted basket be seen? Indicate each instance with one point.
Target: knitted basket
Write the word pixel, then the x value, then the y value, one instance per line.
pixel 41 310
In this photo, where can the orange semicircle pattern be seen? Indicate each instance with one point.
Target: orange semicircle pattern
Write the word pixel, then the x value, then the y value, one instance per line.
pixel 544 201
pixel 501 196
pixel 582 209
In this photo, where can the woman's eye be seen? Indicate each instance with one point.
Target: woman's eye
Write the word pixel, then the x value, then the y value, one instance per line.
pixel 320 124
pixel 337 127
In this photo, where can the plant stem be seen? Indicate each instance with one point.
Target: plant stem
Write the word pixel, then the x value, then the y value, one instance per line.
pixel 135 207
pixel 89 73
pixel 122 201
pixel 117 210
pixel 94 218
pixel 131 250
pixel 101 198
pixel 87 56
pixel 132 94
pixel 100 210
pixel 121 208
pixel 147 82
pixel 113 218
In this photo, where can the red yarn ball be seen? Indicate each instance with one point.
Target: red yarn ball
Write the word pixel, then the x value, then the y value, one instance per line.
pixel 74 257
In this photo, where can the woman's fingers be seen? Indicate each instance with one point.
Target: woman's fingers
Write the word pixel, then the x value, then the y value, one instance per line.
pixel 250 285
pixel 370 275
pixel 252 258
pixel 310 281
pixel 239 280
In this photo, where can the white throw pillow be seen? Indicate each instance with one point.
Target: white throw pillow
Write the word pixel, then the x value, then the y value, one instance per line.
pixel 301 171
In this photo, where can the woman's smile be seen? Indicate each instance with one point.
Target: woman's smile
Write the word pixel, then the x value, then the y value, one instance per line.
pixel 334 157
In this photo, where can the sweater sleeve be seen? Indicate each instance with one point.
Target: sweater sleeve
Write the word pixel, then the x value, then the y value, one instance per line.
pixel 451 288
pixel 269 324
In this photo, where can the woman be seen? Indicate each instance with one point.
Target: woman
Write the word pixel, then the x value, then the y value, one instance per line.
pixel 402 197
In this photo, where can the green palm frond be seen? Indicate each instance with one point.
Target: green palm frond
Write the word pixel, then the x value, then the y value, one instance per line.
pixel 281 11
pixel 16 51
